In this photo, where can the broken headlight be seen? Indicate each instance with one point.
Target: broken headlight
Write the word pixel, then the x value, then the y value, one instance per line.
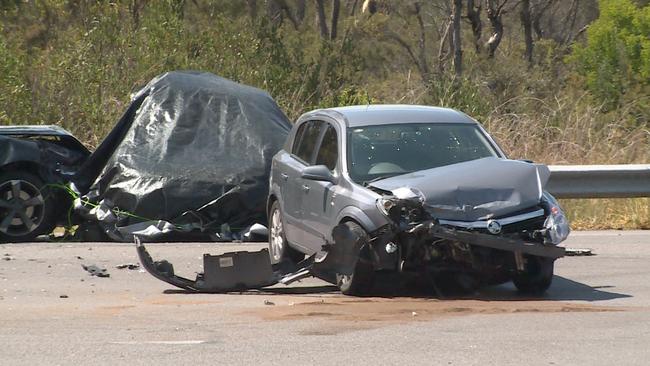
pixel 404 206
pixel 556 224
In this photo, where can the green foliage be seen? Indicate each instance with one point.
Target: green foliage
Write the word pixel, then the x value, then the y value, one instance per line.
pixel 615 60
pixel 14 93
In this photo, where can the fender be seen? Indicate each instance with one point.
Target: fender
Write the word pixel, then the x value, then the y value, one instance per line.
pixel 361 218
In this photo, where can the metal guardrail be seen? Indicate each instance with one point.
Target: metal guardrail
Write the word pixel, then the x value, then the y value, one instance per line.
pixel 599 181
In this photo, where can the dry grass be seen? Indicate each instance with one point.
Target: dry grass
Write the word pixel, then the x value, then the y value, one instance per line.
pixel 597 214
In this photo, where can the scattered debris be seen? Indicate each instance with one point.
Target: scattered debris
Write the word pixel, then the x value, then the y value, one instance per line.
pixel 80 258
pixel 575 252
pixel 413 313
pixel 130 266
pixel 96 271
pixel 267 302
pixel 63 296
pixel 7 258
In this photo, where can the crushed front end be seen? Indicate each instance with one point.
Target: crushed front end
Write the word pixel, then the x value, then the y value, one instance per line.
pixel 492 250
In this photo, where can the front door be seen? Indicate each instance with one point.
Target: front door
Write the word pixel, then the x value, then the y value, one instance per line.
pixel 318 196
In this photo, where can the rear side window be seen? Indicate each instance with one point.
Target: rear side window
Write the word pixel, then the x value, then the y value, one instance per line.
pixel 328 152
pixel 306 139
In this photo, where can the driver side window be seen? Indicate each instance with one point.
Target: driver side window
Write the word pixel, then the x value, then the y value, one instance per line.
pixel 306 140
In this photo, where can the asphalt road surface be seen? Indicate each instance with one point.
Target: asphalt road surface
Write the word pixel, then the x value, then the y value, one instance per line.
pixel 53 312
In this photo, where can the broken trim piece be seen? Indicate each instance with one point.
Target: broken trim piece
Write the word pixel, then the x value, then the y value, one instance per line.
pixel 491 241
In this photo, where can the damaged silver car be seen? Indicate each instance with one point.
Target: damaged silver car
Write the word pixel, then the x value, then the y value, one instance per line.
pixel 414 189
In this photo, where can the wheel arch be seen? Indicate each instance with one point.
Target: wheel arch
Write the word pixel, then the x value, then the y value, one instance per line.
pixel 355 214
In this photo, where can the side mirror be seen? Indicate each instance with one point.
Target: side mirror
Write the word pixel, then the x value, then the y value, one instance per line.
pixel 319 172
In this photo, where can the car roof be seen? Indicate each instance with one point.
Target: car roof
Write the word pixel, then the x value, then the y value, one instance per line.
pixel 378 114
pixel 40 130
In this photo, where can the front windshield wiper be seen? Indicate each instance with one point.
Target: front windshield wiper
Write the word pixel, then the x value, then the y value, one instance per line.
pixel 367 182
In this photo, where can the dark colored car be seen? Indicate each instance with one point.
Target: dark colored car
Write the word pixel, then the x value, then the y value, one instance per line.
pixel 35 162
pixel 411 189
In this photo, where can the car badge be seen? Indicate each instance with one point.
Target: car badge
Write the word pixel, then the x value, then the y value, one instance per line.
pixel 493 227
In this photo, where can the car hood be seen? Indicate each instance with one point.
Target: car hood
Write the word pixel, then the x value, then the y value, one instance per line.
pixel 475 190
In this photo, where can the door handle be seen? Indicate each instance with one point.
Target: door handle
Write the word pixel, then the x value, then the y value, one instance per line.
pixel 284 176
pixel 305 188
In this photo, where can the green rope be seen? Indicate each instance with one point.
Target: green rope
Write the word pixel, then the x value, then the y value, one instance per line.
pixel 117 211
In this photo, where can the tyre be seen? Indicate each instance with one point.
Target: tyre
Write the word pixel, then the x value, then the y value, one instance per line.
pixel 27 208
pixel 281 253
pixel 361 280
pixel 536 277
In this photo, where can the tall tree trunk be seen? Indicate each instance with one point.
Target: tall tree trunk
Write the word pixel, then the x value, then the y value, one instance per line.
pixel 352 7
pixel 322 22
pixel 442 53
pixel 458 51
pixel 336 9
pixel 494 13
pixel 528 30
pixel 274 13
pixel 136 8
pixel 301 8
pixel 284 7
pixel 252 8
pixel 537 12
pixel 422 54
pixel 474 17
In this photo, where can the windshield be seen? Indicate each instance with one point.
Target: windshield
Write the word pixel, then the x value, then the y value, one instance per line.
pixel 376 152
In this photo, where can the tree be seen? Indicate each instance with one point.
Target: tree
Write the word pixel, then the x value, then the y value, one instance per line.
pixel 528 30
pixel 495 13
pixel 458 51
pixel 474 18
pixel 616 57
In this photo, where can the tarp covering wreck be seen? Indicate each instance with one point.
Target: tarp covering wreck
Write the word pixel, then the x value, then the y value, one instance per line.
pixel 189 159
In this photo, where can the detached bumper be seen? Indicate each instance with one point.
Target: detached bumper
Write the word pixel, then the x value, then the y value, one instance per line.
pixel 233 271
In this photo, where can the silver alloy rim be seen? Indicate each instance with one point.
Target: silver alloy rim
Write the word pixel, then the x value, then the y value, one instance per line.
pixel 21 207
pixel 276 241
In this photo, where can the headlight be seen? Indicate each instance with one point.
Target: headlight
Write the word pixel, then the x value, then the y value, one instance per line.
pixel 385 204
pixel 556 224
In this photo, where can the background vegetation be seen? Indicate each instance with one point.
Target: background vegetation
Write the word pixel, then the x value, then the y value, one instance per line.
pixel 555 81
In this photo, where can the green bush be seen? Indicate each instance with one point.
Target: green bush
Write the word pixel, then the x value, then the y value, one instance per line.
pixel 615 60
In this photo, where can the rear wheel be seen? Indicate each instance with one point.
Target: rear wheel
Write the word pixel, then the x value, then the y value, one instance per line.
pixel 26 209
pixel 536 277
pixel 279 249
pixel 360 281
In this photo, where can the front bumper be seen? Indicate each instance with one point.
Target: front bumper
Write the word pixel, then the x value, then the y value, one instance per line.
pixel 490 241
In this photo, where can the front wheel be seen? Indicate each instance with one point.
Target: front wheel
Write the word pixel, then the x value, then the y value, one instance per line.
pixel 26 209
pixel 536 277
pixel 361 280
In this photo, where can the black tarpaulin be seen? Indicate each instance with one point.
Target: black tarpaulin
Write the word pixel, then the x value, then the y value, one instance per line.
pixel 191 156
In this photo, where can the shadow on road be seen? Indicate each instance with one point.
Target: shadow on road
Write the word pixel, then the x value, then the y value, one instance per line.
pixel 562 289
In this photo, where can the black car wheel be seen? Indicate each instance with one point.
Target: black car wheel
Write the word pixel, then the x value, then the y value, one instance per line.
pixel 26 211
pixel 279 249
pixel 536 277
pixel 360 281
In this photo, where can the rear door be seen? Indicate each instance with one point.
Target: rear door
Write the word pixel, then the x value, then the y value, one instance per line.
pixel 302 155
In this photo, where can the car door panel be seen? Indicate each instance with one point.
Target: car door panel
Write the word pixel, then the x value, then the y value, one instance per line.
pixel 318 199
pixel 302 155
